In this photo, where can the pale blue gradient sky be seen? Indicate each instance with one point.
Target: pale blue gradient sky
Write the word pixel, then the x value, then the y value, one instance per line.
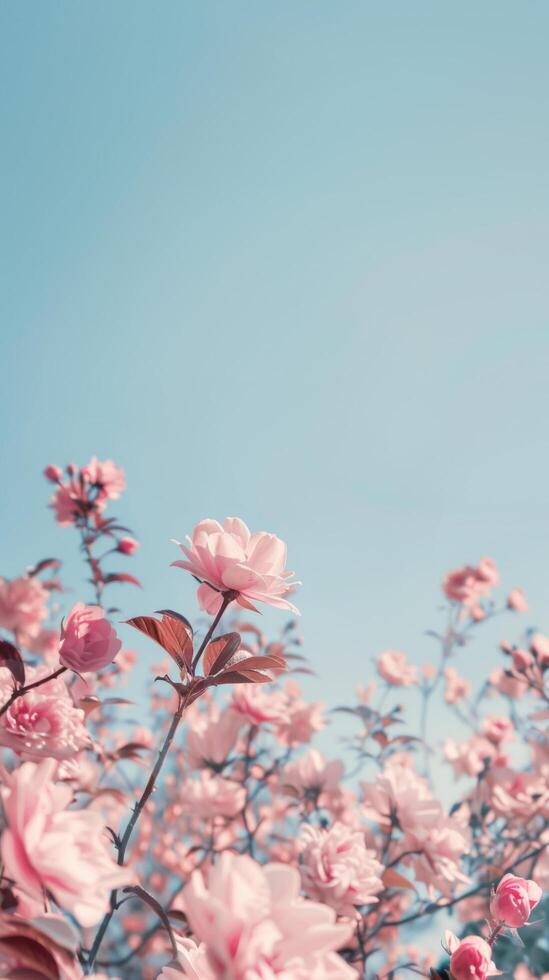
pixel 287 261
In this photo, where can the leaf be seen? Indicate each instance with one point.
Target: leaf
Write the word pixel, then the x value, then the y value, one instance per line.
pixel 157 908
pixel 241 677
pixel 393 879
pixel 41 565
pixel 12 659
pixel 172 634
pixel 219 652
pixel 122 577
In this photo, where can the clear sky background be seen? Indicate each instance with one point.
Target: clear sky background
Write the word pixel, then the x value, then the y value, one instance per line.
pixel 287 261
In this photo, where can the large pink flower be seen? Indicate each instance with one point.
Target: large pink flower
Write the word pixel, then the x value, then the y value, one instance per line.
pixel 229 558
pixel 471 959
pixel 88 642
pixel 22 606
pixel 514 900
pixel 107 476
pixel 47 848
pixel 43 722
pixel 338 869
pixel 255 925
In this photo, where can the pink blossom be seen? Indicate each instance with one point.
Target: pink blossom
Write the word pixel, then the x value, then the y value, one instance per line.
pixel 88 641
pixel 497 728
pixel 53 473
pixel 539 645
pixel 469 583
pixel 472 756
pixel 258 705
pixel 48 848
pixel 313 773
pixel 338 869
pixel 394 668
pixel 508 683
pixel 211 738
pixel 70 502
pixel 192 961
pixel 127 546
pixel 43 722
pixel 211 796
pixel 301 721
pixel 22 606
pixel 107 476
pixel 255 925
pixel 522 659
pixel 514 900
pixel 457 687
pixel 229 558
pixel 516 600
pixel 471 959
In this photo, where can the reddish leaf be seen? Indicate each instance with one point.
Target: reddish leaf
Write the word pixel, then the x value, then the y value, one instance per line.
pixel 241 677
pixel 41 565
pixel 219 652
pixel 393 879
pixel 260 663
pixel 172 634
pixel 11 658
pixel 122 577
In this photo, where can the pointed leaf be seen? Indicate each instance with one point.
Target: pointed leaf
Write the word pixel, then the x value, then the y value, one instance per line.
pixel 12 659
pixel 171 634
pixel 122 577
pixel 219 652
pixel 393 879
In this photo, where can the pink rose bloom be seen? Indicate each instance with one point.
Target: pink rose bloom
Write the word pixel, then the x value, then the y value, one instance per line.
pixel 107 476
pixel 471 959
pixel 256 705
pixel 39 949
pixel 48 848
pixel 43 722
pixel 457 687
pixel 516 600
pixel 212 796
pixel 230 558
pixel 88 641
pixel 514 900
pixel 255 924
pixel 338 869
pixel 394 668
pixel 22 606
pixel 467 584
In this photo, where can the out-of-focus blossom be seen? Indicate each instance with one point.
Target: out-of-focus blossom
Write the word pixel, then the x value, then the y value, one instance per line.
pixel 497 728
pixel 258 705
pixel 211 796
pixel 474 755
pixel 508 683
pixel 229 558
pixel 470 583
pixel 40 949
pixel 338 869
pixel 539 644
pixel 88 641
pixel 211 738
pixel 394 668
pixel 43 722
pixel 312 773
pixel 471 959
pixel 457 687
pixel 107 476
pixel 127 545
pixel 516 600
pixel 22 606
pixel 53 473
pixel 255 924
pixel 514 900
pixel 192 961
pixel 48 848
pixel 301 718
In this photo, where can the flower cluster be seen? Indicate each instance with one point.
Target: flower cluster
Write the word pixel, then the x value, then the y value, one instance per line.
pixel 203 833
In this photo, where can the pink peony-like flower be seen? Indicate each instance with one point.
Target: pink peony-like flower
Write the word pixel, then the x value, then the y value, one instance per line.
pixel 48 848
pixel 312 773
pixel 211 738
pixel 394 668
pixel 107 476
pixel 212 796
pixel 40 949
pixel 514 900
pixel 468 584
pixel 229 558
pixel 255 924
pixel 88 641
pixel 44 722
pixel 22 606
pixel 338 869
pixel 258 705
pixel 471 959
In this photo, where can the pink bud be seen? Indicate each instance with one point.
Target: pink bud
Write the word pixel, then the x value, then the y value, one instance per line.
pixel 88 639
pixel 127 546
pixel 514 900
pixel 516 600
pixel 53 473
pixel 522 659
pixel 472 960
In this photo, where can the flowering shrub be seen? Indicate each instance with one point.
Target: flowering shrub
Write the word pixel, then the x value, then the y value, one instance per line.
pixel 211 838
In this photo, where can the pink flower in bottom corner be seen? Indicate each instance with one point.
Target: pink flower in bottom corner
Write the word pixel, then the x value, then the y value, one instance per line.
pixel 39 949
pixel 88 641
pixel 514 900
pixel 47 848
pixel 470 959
pixel 255 924
pixel 229 558
pixel 338 869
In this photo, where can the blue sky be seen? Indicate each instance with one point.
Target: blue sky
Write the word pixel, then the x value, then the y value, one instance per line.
pixel 286 261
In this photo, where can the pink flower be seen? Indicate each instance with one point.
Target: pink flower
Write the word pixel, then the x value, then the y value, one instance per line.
pixel 497 728
pixel 88 641
pixel 191 962
pixel 516 600
pixel 258 705
pixel 312 773
pixel 539 645
pixel 229 558
pixel 127 546
pixel 43 722
pixel 22 606
pixel 467 584
pixel 70 502
pixel 211 738
pixel 53 473
pixel 212 796
pixel 457 687
pixel 471 959
pixel 395 669
pixel 514 900
pixel 49 848
pixel 40 949
pixel 107 476
pixel 254 923
pixel 301 720
pixel 338 869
